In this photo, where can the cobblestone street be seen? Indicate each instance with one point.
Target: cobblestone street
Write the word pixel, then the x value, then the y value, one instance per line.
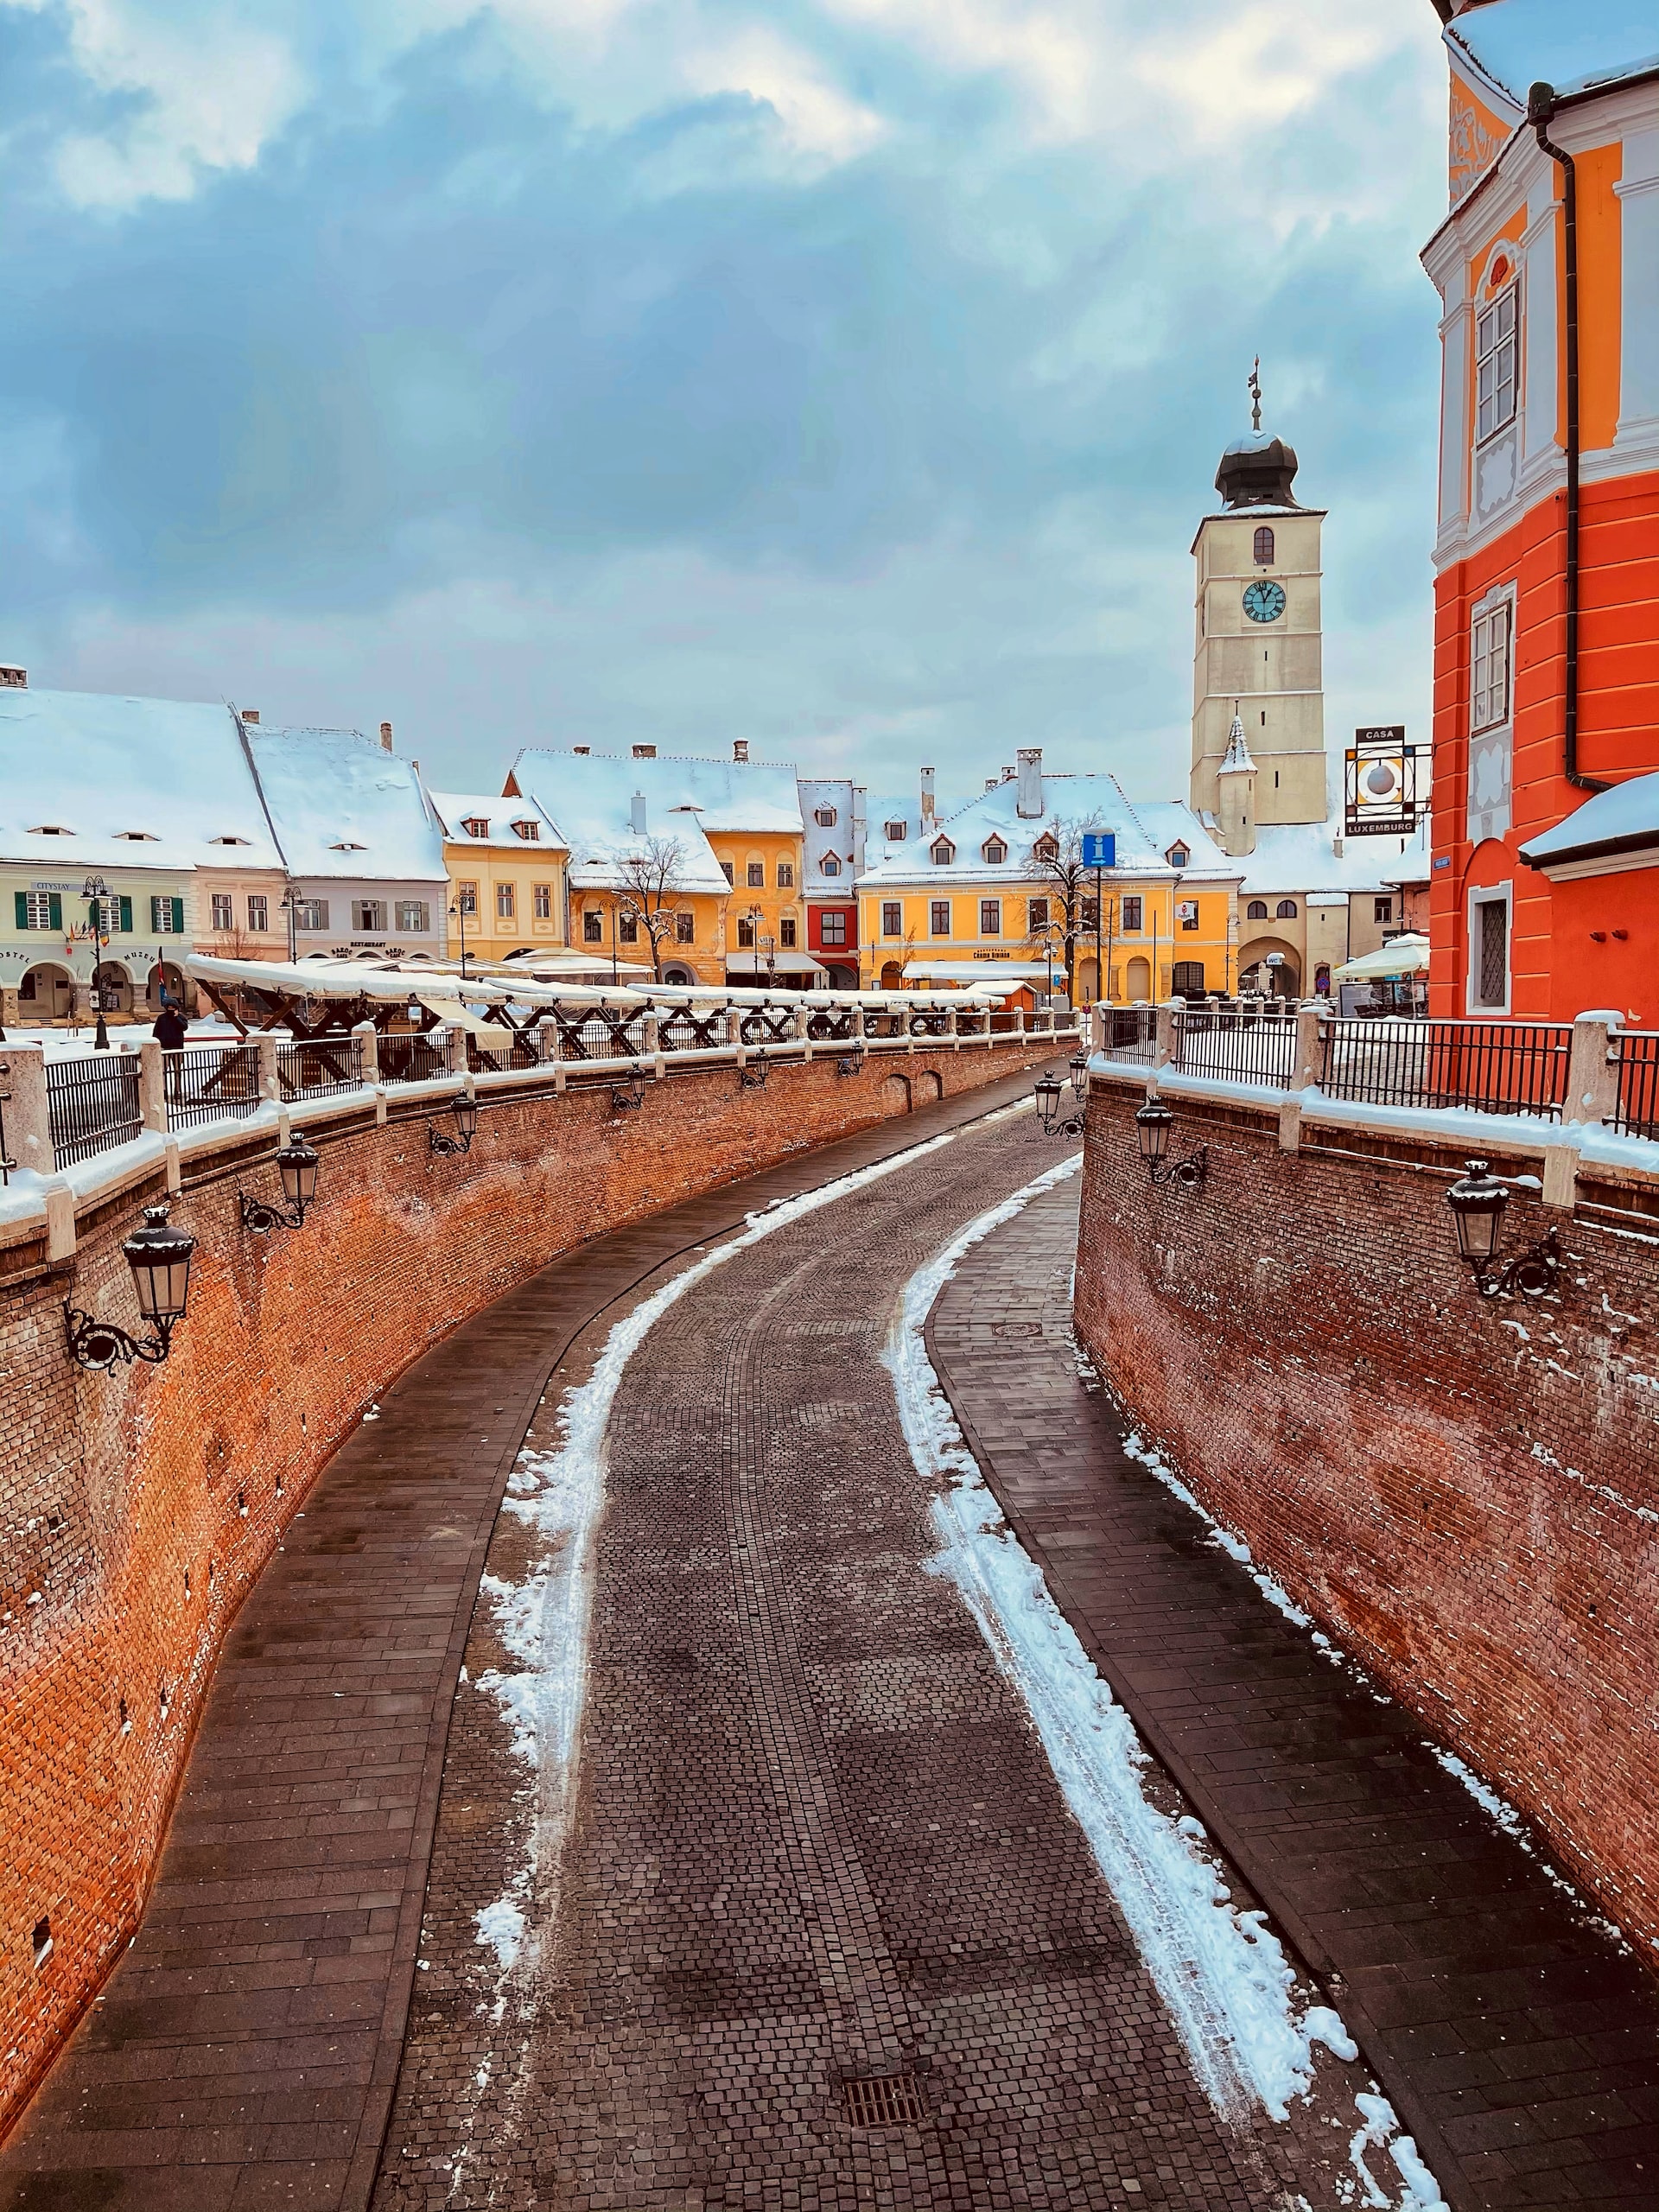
pixel 814 1839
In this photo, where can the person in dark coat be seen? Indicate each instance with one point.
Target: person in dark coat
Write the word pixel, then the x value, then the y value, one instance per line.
pixel 170 1027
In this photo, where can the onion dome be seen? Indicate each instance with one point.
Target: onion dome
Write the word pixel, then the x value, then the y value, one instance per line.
pixel 1257 471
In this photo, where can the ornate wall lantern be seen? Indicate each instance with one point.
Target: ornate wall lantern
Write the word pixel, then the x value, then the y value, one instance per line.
pixel 1078 1065
pixel 159 1257
pixel 1477 1201
pixel 1048 1090
pixel 851 1062
pixel 466 1111
pixel 751 1076
pixel 1153 1124
pixel 628 1097
pixel 297 1163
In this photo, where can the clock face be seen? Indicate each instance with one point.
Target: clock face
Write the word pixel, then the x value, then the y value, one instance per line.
pixel 1264 602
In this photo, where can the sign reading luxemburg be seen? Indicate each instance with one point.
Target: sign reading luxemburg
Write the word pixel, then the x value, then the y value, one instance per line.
pixel 1381 787
pixel 1100 848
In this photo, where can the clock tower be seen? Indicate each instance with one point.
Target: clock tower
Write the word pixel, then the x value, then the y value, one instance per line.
pixel 1257 659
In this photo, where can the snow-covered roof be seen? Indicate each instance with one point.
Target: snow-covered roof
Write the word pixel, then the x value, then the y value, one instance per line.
pixel 1147 830
pixel 1302 857
pixel 841 837
pixel 1577 46
pixel 456 810
pixel 592 797
pixel 341 805
pixel 882 807
pixel 137 783
pixel 1622 820
pixel 731 796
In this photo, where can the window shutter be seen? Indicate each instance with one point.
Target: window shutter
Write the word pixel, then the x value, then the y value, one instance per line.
pixel 57 910
pixel 20 898
pixel 125 917
pixel 177 906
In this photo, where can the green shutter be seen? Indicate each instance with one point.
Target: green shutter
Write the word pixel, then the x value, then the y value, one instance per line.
pixel 124 918
pixel 177 906
pixel 57 909
pixel 21 908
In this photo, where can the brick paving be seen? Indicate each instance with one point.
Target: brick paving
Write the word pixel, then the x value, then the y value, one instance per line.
pixel 245 2051
pixel 1518 2044
pixel 816 1839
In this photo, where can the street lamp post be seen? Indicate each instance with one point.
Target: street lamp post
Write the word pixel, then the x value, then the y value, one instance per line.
pixel 288 904
pixel 458 912
pixel 96 892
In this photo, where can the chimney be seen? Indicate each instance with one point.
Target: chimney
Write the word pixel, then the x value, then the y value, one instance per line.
pixel 991 782
pixel 250 714
pixel 385 737
pixel 13 678
pixel 582 748
pixel 739 748
pixel 927 795
pixel 645 753
pixel 637 809
pixel 1029 804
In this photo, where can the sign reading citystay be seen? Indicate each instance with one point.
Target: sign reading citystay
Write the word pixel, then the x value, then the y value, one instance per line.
pixel 1384 796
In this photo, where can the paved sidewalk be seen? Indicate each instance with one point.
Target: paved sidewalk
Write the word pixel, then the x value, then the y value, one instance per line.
pixel 245 2050
pixel 1520 2047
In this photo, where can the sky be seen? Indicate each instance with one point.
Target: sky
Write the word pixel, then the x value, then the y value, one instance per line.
pixel 847 376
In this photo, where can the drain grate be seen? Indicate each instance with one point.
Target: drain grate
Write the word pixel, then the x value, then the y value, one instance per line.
pixel 883 2100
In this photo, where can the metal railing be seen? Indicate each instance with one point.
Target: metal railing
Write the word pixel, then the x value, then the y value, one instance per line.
pixel 1131 1033
pixel 1250 1045
pixel 1496 1067
pixel 209 1083
pixel 317 1065
pixel 412 1059
pixel 1636 1113
pixel 92 1104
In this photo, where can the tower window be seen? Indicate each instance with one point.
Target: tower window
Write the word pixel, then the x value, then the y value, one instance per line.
pixel 1497 360
pixel 1264 545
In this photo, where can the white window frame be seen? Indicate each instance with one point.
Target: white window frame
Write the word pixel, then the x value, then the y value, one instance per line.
pixel 1489 895
pixel 223 910
pixel 1495 607
pixel 1497 342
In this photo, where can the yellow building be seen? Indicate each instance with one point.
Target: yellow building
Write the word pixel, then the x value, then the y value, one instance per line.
pixel 971 897
pixel 715 844
pixel 507 866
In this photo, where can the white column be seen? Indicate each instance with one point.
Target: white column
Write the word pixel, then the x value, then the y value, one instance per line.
pixel 1638 207
pixel 1455 353
pixel 1538 309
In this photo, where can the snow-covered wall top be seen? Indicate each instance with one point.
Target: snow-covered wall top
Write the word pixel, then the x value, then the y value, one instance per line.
pixel 134 783
pixel 343 806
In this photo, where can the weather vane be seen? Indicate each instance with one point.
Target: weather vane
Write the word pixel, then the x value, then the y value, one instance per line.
pixel 1256 394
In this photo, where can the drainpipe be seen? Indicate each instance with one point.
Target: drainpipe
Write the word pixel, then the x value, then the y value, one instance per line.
pixel 1541 108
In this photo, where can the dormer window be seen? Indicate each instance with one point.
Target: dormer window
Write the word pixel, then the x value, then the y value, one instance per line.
pixel 148 837
pixel 1178 856
pixel 829 864
pixel 212 841
pixel 942 852
pixel 345 845
pixel 475 825
pixel 50 829
pixel 825 816
pixel 1047 849
pixel 994 851
pixel 895 832
pixel 529 831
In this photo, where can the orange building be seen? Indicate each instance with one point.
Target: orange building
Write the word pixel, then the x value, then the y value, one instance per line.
pixel 1545 884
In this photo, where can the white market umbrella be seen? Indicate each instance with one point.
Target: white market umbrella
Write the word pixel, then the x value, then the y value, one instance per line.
pixel 1406 955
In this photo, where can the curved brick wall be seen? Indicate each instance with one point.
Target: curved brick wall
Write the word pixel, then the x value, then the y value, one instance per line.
pixel 1466 1494
pixel 135 1509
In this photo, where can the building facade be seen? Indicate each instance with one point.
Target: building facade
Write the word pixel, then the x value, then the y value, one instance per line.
pixel 506 867
pixel 1546 850
pixel 833 843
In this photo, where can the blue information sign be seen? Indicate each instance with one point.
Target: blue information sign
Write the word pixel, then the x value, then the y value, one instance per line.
pixel 1100 848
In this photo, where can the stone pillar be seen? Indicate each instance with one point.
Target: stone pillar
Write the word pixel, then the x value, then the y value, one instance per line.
pixel 1310 1049
pixel 368 1039
pixel 9 1016
pixel 547 1038
pixel 1164 1033
pixel 454 1049
pixel 152 1086
pixel 29 1123
pixel 1592 1068
pixel 270 1082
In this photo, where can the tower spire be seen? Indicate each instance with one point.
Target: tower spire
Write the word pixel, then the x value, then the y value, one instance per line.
pixel 1254 389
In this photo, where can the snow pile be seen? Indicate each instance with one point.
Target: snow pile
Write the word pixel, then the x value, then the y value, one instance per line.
pixel 1381 2131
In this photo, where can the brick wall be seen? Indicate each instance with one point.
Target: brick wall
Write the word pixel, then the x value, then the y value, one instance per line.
pixel 1466 1494
pixel 136 1507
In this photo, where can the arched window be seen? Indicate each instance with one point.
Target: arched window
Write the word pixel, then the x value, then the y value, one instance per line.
pixel 1264 545
pixel 1256 911
pixel 1287 910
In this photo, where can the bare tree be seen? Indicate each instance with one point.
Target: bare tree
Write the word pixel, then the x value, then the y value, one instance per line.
pixel 651 878
pixel 1056 863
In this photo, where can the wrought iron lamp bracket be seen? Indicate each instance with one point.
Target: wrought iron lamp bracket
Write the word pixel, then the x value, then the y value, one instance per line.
pixel 753 1077
pixel 262 1215
pixel 102 1346
pixel 849 1063
pixel 1188 1172
pixel 1534 1273
pixel 449 1147
pixel 1072 1126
